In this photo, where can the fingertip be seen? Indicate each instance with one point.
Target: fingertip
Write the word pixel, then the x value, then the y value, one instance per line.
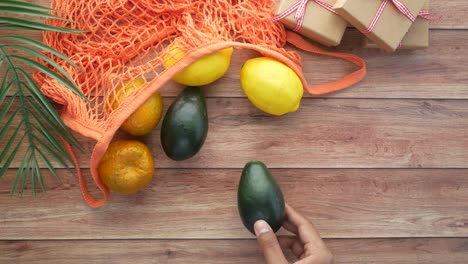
pixel 261 227
pixel 269 243
pixel 288 209
pixel 294 216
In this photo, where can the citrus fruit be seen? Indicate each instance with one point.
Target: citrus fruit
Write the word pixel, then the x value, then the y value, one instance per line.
pixel 127 166
pixel 205 70
pixel 146 117
pixel 271 86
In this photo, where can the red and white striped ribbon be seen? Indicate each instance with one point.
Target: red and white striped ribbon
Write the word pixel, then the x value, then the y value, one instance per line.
pixel 427 15
pixel 327 6
pixel 399 5
pixel 404 10
pixel 300 8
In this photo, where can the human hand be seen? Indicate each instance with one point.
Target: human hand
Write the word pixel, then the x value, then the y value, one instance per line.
pixel 306 245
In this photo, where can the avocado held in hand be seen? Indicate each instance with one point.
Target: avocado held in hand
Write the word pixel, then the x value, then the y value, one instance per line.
pixel 185 125
pixel 259 197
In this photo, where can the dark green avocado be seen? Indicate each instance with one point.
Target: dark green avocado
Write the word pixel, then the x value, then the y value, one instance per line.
pixel 185 125
pixel 259 197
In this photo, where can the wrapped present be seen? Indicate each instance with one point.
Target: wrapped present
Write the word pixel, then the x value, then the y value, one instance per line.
pixel 418 34
pixel 385 22
pixel 314 19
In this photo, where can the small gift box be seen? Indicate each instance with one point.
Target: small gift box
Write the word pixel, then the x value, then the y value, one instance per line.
pixel 417 36
pixel 314 19
pixel 385 22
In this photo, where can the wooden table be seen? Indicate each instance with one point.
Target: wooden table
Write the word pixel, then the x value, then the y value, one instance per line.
pixel 381 169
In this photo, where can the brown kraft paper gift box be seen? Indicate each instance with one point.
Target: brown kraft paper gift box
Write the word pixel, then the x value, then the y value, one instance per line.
pixel 391 26
pixel 416 38
pixel 320 24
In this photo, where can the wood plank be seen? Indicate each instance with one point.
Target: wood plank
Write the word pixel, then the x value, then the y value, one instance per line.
pixel 437 72
pixel 202 203
pixel 359 251
pixel 324 133
pixel 452 13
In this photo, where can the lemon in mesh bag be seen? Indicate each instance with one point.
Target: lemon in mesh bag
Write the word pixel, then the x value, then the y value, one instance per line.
pixel 204 70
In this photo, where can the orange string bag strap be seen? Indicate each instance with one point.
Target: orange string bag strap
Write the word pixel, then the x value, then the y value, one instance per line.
pixel 333 86
pixel 84 190
pixel 299 10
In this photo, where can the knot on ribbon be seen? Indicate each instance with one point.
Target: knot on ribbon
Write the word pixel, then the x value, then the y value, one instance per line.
pixel 300 7
pixel 398 4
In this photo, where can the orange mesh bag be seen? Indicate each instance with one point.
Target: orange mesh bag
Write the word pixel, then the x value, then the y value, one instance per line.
pixel 127 39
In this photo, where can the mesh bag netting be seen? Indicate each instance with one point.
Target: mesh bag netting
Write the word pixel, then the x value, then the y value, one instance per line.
pixel 127 39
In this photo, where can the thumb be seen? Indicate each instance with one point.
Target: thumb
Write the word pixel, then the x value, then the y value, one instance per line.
pixel 269 243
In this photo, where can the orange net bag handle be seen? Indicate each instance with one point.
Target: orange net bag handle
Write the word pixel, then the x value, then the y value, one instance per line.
pixel 84 190
pixel 337 85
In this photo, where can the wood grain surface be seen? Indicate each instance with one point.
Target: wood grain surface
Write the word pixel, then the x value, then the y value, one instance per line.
pixel 324 133
pixel 347 251
pixel 201 203
pixel 380 168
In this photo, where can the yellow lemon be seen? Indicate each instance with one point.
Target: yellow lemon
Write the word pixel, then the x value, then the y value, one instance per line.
pixel 146 117
pixel 205 70
pixel 271 86
pixel 127 166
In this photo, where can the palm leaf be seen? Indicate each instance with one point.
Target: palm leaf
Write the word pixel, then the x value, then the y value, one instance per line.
pixel 6 87
pixel 5 110
pixel 42 130
pixel 28 12
pixel 57 126
pixel 9 160
pixel 26 176
pixel 41 46
pixel 13 3
pixel 8 26
pixel 48 164
pixel 8 123
pixel 53 153
pixel 44 58
pixel 10 142
pixel 33 178
pixel 35 91
pixel 39 122
pixel 11 21
pixel 40 178
pixel 21 170
pixel 50 73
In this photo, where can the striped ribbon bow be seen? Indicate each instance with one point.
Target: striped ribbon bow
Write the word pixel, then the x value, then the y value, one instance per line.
pixel 399 5
pixel 300 8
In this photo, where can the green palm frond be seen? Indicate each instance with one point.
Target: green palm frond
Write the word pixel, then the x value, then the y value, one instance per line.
pixel 30 6
pixel 27 117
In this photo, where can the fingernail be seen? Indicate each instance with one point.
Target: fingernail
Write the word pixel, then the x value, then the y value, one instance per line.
pixel 261 227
